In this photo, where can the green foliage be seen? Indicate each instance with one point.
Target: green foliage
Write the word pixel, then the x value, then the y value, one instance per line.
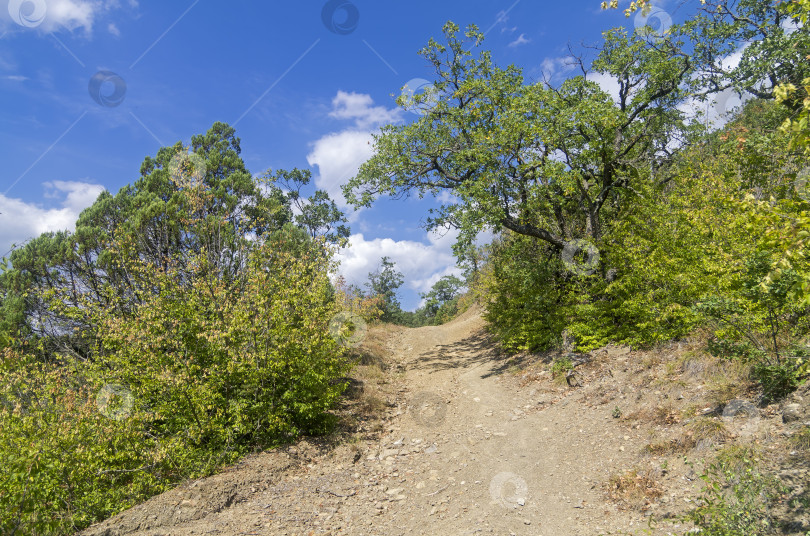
pixel 487 137
pixel 755 314
pixel 737 496
pixel 205 337
pixel 65 465
pixel 771 53
pixel 159 221
pixel 441 302
pixel 384 282
pixel 524 294
pixel 682 253
pixel 561 366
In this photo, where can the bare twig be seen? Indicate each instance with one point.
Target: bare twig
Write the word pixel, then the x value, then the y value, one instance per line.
pixel 354 492
pixel 437 491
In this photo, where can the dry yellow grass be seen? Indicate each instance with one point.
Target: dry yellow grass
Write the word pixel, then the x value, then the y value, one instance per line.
pixel 636 488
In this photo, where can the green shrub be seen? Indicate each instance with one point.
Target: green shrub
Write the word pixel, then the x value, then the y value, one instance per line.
pixel 190 378
pixel 737 497
pixel 65 464
pixel 561 366
pixel 777 379
pixel 523 295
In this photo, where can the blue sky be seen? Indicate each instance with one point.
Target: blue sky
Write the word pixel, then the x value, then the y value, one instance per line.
pixel 304 83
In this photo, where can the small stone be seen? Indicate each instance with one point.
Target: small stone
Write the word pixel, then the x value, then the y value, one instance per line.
pixel 740 408
pixel 791 412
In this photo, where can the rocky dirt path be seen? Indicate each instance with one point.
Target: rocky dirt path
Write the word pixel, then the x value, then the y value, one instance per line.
pixel 464 450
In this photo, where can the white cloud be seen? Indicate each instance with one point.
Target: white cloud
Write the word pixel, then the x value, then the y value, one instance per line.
pixel 15 78
pixel 521 40
pixel 360 107
pixel 71 14
pixel 608 83
pixel 720 107
pixel 717 110
pixel 421 263
pixel 113 29
pixel 447 198
pixel 339 155
pixel 20 221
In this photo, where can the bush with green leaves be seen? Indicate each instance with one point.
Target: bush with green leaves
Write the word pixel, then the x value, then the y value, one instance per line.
pixel 209 371
pixel 183 361
pixel 523 294
pixel 738 496
pixel 672 259
pixel 66 464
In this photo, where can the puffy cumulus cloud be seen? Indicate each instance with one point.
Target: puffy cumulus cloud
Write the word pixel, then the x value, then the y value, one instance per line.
pixel 338 155
pixel 447 198
pixel 71 14
pixel 20 221
pixel 360 108
pixel 556 70
pixel 421 263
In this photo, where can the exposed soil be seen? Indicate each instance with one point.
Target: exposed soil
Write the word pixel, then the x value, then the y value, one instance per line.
pixel 470 441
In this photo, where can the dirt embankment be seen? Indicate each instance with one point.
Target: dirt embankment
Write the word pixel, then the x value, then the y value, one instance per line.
pixel 471 442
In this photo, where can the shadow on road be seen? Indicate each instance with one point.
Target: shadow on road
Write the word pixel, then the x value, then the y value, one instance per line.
pixel 477 349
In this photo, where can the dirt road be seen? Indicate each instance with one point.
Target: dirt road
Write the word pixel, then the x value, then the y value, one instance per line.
pixel 465 450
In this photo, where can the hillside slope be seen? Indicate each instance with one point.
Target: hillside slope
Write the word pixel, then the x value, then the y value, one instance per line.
pixel 472 443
